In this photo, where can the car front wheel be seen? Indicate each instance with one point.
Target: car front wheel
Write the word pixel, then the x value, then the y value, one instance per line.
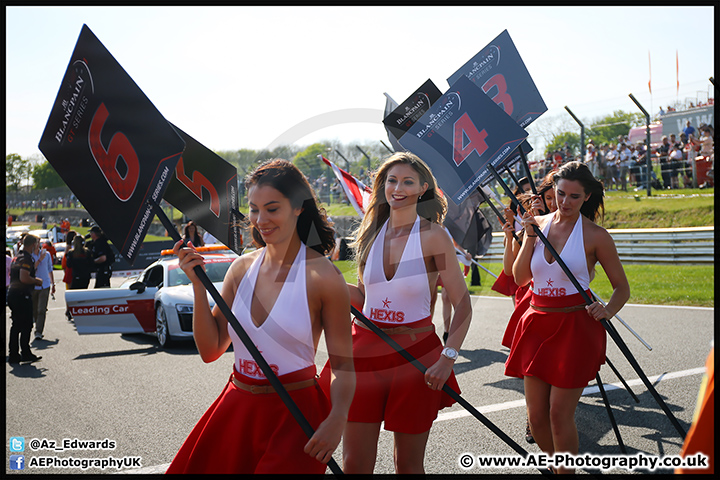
pixel 161 327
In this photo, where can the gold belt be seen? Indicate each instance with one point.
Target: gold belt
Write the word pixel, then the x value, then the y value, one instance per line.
pixel 401 330
pixel 257 389
pixel 574 308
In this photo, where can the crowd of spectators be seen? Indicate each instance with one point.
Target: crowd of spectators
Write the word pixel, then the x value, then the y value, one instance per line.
pixel 44 204
pixel 621 164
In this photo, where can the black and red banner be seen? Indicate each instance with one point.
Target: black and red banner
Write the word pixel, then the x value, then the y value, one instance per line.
pixel 460 135
pixel 500 72
pixel 204 187
pixel 110 144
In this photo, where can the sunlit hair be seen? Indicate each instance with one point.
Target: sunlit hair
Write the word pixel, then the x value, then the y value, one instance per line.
pixel 526 198
pixel 78 247
pixel 580 172
pixel 313 227
pixel 431 206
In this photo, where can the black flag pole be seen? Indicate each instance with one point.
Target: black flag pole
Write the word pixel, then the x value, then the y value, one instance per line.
pixel 497 212
pixel 523 160
pixel 610 413
pixel 262 363
pixel 446 388
pixel 611 331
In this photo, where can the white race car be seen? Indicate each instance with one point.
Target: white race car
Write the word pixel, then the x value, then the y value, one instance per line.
pixel 158 302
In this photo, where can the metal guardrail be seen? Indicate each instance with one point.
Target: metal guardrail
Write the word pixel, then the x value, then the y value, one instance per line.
pixel 647 245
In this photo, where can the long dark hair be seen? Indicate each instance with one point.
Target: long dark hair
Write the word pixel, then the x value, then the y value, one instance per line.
pixel 313 227
pixel 431 206
pixel 580 172
pixel 525 198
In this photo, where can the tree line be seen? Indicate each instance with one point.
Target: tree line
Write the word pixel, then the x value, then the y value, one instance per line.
pixel 356 158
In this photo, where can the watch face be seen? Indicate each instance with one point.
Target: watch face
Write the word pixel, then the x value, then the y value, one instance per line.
pixel 450 353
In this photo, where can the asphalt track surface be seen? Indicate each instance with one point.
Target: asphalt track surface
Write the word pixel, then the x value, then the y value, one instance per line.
pixel 125 389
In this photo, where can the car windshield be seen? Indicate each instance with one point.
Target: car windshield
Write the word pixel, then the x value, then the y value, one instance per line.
pixel 215 268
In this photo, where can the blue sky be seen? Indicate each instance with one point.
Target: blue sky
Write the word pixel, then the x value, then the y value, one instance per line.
pixel 250 77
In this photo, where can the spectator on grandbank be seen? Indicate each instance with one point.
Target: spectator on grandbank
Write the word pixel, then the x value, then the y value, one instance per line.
pixel 676 162
pixel 689 130
pixel 612 169
pixel 624 160
pixel 600 159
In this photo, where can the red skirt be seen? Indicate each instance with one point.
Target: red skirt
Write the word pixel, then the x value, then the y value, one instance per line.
pixel 389 388
pixel 504 284
pixel 565 350
pixel 522 303
pixel 243 432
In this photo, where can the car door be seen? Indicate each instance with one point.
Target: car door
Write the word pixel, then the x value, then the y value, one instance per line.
pixel 117 310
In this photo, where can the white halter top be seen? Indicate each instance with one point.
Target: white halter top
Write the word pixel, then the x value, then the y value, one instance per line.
pixel 285 338
pixel 405 298
pixel 548 278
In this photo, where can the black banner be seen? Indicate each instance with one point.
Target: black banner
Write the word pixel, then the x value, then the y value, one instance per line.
pixel 204 187
pixel 109 144
pixel 404 116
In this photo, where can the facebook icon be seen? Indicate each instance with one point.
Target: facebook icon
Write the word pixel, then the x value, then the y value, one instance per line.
pixel 17 462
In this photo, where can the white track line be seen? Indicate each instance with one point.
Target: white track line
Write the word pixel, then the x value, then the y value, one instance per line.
pixel 158 469
pixel 591 390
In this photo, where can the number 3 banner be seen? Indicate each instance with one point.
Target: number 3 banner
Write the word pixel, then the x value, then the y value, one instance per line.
pixel 502 75
pixel 460 135
pixel 110 144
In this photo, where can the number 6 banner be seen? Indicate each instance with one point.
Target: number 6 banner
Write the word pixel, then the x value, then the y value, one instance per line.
pixel 110 144
pixel 461 134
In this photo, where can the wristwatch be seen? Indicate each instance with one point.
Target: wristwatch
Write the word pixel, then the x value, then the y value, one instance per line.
pixel 449 352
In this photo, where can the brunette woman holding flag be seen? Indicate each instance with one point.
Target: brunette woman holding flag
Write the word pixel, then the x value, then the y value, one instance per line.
pixel 285 295
pixel 559 343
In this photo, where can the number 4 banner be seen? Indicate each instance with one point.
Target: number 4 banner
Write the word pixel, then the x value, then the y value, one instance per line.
pixel 461 134
pixel 110 144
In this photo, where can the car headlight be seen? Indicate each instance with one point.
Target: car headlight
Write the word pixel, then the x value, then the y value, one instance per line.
pixel 187 309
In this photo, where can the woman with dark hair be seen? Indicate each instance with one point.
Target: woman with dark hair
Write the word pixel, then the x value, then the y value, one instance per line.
pixel 559 343
pixel 401 248
pixel 541 204
pixel 79 259
pixel 190 234
pixel 285 295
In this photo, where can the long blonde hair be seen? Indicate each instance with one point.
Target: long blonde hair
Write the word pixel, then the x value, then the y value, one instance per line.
pixel 431 206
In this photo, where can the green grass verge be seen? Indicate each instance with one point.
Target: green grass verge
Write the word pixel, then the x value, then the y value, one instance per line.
pixel 689 285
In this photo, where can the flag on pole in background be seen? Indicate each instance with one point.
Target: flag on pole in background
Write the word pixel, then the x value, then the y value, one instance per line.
pixel 357 192
pixel 466 224
pixel 391 105
pixel 677 72
pixel 649 74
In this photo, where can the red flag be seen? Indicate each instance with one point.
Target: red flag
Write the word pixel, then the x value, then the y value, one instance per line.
pixel 356 191
pixel 649 74
pixel 677 71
